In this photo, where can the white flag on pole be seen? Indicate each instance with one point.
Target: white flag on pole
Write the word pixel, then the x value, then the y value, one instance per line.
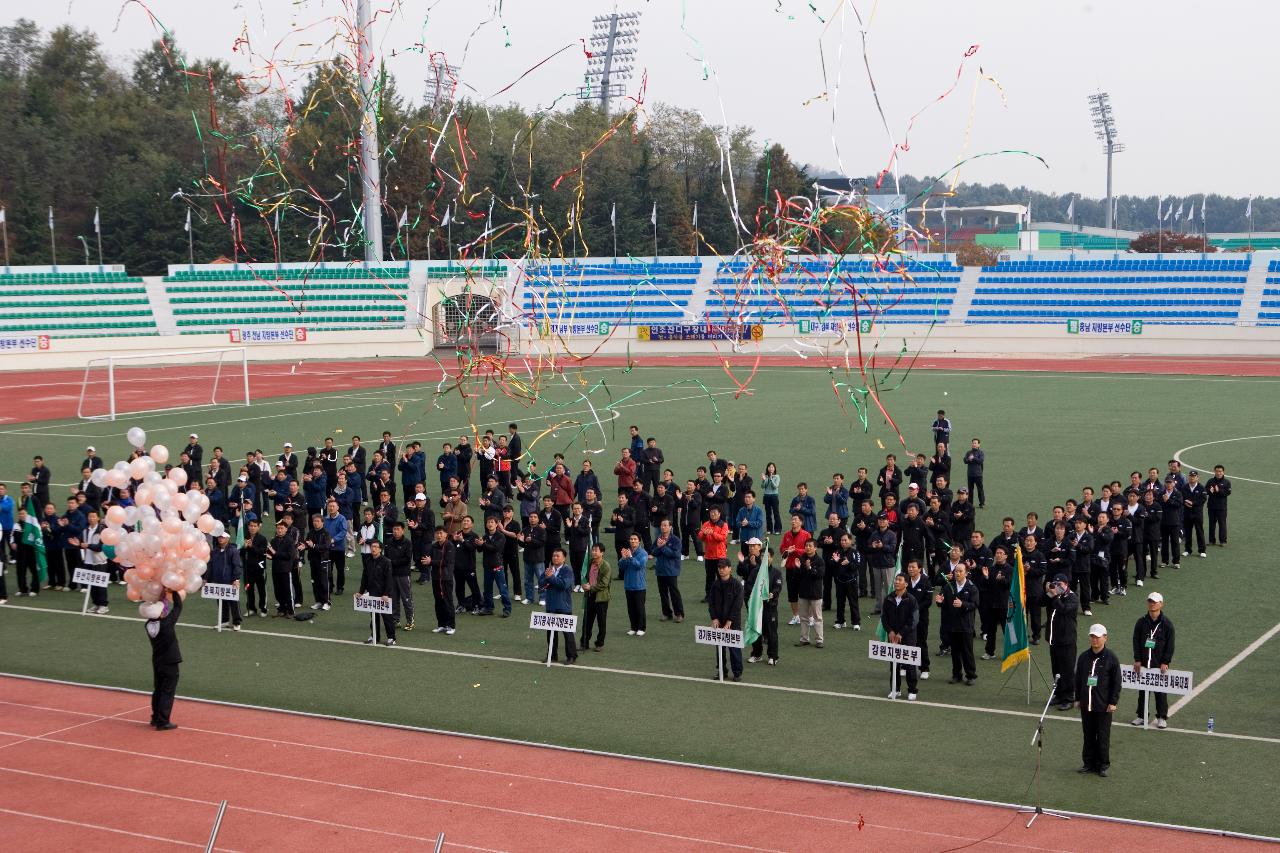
pixel 2 219
pixel 944 211
pixel 187 226
pixel 653 217
pixel 97 224
pixel 695 216
pixel 447 216
pixel 571 216
pixel 50 217
pixel 1204 207
pixel 1248 209
pixel 276 224
pixel 404 219
pixel 1191 214
pixel 1071 209
pixel 1177 217
pixel 613 214
pixel 1168 214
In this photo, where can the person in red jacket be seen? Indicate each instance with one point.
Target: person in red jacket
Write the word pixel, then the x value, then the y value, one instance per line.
pixel 714 535
pixel 792 550
pixel 626 473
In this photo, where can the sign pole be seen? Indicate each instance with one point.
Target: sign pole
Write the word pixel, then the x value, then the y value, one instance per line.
pixel 219 615
pixel 373 626
pixel 551 639
pixel 893 679
pixel 84 608
pixel 720 662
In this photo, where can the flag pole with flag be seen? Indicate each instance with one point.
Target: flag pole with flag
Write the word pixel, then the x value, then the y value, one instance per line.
pixel 97 229
pixel 401 224
pixel 653 218
pixel 1248 214
pixel 613 223
pixel 447 224
pixel 53 244
pixel 1016 647
pixel 757 597
pixel 695 228
pixel 31 535
pixel 191 249
pixel 4 226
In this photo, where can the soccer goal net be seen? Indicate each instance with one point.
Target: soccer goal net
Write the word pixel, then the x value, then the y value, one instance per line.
pixel 118 385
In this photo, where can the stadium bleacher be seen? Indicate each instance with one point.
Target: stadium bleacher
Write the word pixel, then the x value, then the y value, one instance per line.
pixel 56 303
pixel 623 293
pixel 902 291
pixel 1196 290
pixel 318 298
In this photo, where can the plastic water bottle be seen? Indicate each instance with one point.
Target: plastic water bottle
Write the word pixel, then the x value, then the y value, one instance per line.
pixel 1211 725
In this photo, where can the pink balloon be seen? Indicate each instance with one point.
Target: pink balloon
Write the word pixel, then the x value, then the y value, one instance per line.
pixel 151 610
pixel 117 479
pixel 206 523
pixel 116 515
pixel 160 454
pixel 111 536
pixel 152 590
pixel 194 583
pixel 180 501
pixel 138 468
pixel 173 580
pixel 178 476
pixel 144 573
pixel 172 525
pixel 133 593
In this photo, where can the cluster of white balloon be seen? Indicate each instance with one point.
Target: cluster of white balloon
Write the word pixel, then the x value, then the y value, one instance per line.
pixel 162 540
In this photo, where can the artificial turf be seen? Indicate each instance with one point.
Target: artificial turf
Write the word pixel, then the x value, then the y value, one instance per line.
pixel 1046 435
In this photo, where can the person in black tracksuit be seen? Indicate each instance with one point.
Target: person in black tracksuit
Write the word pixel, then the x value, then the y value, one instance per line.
pixel 1097 685
pixel 958 600
pixel 283 552
pixel 1194 498
pixel 1152 523
pixel 1219 489
pixel 399 552
pixel 466 543
pixel 378 581
pixel 1121 535
pixel 253 556
pixel 317 545
pixel 922 591
pixel 994 585
pixel 973 461
pixel 844 566
pixel 1061 633
pixel 1103 536
pixel 1153 649
pixel 439 558
pixel 1171 524
pixel 828 543
pixel 724 603
pixel 1081 561
pixel 1033 569
pixel 577 533
pixel 900 616
pixel 165 658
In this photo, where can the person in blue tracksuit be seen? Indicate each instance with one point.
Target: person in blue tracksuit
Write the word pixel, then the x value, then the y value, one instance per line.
pixel 802 505
pixel 666 551
pixel 632 562
pixel 749 523
pixel 557 590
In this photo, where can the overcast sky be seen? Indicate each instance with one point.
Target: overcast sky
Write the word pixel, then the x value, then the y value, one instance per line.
pixel 1192 84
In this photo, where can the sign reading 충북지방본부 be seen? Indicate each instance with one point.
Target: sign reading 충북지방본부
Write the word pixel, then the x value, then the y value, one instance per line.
pixel 88 577
pixel 268 336
pixel 540 621
pixel 1173 681
pixel 220 591
pixel 709 636
pixel 372 604
pixel 701 332
pixel 1104 327
pixel 894 653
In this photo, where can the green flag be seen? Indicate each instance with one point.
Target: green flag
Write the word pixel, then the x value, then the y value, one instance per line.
pixel 756 599
pixel 32 535
pixel 1015 620
pixel 240 531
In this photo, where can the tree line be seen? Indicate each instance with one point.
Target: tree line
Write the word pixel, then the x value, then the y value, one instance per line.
pixel 273 175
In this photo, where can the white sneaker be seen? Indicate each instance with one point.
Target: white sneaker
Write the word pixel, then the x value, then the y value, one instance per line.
pixel 438 630
pixel 369 642
pixel 925 676
pixel 1136 721
pixel 700 559
pixel 315 606
pixel 986 656
pixel 391 642
pixel 103 611
pixel 893 694
pixel 577 588
pixel 911 697
pixel 795 620
pixel 542 602
pixel 1203 554
pixel 235 627
pixel 838 625
pixel 631 633
pixel 1139 583
pixel 1162 723
pixel 325 606
pixel 639 633
pixel 449 632
pixel 93 609
pixel 857 627
pixel 753 660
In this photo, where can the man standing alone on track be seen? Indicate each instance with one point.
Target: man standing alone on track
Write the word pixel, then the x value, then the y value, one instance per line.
pixel 1097 682
pixel 165 657
pixel 1153 648
pixel 1219 489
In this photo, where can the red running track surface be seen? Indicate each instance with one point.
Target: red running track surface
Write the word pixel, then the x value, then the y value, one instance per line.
pixel 80 770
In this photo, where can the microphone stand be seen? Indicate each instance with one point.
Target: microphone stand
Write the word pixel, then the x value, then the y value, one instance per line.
pixel 1037 740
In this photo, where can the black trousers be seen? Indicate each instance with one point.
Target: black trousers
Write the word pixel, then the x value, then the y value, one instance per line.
pixel 442 590
pixel 669 595
pixel 97 594
pixel 689 534
pixel 1162 704
pixel 962 662
pixel 992 619
pixel 1149 560
pixel 1171 545
pixel 467 587
pixel 282 584
pixel 1193 524
pixel 388 621
pixel 597 617
pixel 1096 753
pixel 1062 663
pixel 255 589
pixel 847 593
pixel 1137 553
pixel 338 571
pixel 828 591
pixel 576 559
pixel 27 566
pixel 922 639
pixel 1217 526
pixel 166 687
pixel 1117 574
pixel 320 578
pixel 768 639
pixel 1080 586
pixel 1098 588
pixel 978 490
pixel 570 647
pixel 1035 610
pixel 635 609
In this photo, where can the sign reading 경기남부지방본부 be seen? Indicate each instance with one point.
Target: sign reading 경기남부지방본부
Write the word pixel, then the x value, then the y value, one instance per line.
pixel 708 636
pixel 541 621
pixel 372 604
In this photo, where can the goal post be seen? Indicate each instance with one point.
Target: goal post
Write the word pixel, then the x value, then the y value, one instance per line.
pixel 127 384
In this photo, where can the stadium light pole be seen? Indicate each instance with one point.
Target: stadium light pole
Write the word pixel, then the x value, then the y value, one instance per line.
pixel 1104 128
pixel 370 182
pixel 608 63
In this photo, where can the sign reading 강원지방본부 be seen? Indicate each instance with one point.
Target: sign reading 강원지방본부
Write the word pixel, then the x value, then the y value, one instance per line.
pixel 894 653
pixel 709 636
pixel 1104 327
pixel 222 591
pixel 540 621
pixel 371 604
pixel 88 577
pixel 1173 681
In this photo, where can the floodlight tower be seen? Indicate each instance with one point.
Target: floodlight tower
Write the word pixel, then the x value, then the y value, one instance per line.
pixel 609 63
pixel 1104 127
pixel 442 81
pixel 370 182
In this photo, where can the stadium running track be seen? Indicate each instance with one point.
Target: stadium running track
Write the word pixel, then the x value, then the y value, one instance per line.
pixel 81 770
pixel 54 394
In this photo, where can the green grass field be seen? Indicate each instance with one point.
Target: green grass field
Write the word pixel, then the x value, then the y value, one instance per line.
pixel 818 714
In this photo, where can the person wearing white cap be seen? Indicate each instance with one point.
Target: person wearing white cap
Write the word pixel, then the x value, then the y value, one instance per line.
pixel 194 450
pixel 92 460
pixel 1153 647
pixel 289 460
pixel 1097 680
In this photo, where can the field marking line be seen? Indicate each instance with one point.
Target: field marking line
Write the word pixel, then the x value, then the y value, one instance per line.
pixel 480 806
pixel 84 825
pixel 668 762
pixel 807 691
pixel 1223 670
pixel 1178 455
pixel 233 807
pixel 97 718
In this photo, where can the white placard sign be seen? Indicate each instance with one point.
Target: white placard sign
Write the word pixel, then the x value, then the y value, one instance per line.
pixel 709 636
pixel 220 591
pixel 371 604
pixel 894 653
pixel 540 621
pixel 89 577
pixel 1174 681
